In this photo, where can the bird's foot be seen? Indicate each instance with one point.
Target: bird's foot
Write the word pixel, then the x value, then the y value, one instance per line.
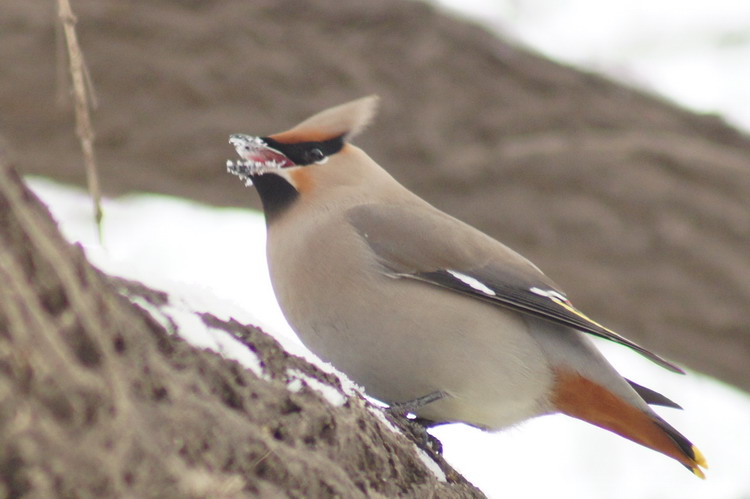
pixel 416 431
pixel 417 427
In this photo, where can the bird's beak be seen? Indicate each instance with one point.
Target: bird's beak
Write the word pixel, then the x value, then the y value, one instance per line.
pixel 257 157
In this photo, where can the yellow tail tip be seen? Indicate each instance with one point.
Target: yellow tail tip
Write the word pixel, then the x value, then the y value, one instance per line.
pixel 700 459
pixel 698 472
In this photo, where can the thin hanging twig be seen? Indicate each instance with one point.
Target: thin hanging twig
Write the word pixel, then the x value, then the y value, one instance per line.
pixel 83 99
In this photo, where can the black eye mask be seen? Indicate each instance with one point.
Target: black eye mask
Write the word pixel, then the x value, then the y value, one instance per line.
pixel 306 153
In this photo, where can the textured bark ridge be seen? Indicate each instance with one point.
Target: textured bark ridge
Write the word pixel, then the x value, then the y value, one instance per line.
pixel 98 399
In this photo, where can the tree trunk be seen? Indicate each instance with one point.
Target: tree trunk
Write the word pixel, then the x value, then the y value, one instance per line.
pixel 98 399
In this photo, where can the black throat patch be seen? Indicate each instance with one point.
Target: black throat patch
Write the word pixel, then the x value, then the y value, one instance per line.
pixel 276 194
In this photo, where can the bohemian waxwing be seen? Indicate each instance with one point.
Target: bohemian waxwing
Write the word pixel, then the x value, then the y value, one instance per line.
pixel 416 305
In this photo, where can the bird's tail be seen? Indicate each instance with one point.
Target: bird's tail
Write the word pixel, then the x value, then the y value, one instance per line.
pixel 581 398
pixel 693 458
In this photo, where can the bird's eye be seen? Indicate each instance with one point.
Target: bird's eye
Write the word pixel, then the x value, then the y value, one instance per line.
pixel 316 156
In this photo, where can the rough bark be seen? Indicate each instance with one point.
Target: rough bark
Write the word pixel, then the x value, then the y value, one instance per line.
pixel 635 207
pixel 98 399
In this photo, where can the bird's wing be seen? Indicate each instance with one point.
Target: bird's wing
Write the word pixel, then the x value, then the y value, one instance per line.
pixel 652 397
pixel 422 243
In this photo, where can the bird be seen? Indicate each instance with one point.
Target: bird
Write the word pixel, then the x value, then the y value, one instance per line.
pixel 423 310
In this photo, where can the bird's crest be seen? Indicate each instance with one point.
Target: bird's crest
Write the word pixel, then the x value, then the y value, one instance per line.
pixel 346 120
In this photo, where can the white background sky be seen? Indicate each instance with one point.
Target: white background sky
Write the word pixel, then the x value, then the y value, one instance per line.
pixel 696 53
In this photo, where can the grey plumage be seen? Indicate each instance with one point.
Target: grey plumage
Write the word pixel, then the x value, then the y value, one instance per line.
pixel 408 301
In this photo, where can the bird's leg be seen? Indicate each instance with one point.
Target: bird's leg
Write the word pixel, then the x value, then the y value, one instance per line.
pixel 402 408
